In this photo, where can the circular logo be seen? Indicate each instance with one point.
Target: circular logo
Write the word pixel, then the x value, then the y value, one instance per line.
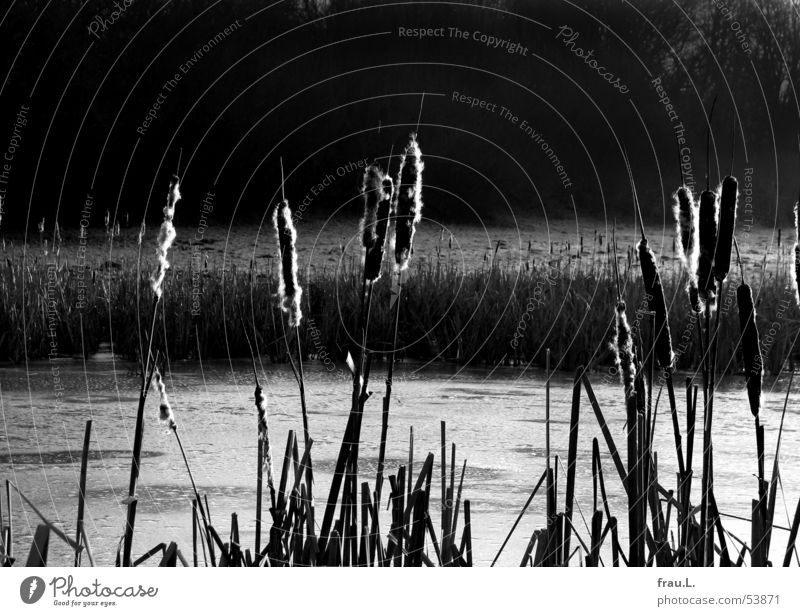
pixel 31 589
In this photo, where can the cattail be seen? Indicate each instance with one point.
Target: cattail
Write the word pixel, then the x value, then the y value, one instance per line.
pixel 263 434
pixel 166 235
pixel 165 414
pixel 685 211
pixel 409 202
pixel 656 303
pixel 694 296
pixel 622 345
pixel 289 290
pixel 709 216
pixel 796 277
pixel 751 347
pixel 729 196
pixel 371 191
pixel 374 257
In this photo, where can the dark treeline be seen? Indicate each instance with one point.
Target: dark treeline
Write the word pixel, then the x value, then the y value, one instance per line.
pixel 91 105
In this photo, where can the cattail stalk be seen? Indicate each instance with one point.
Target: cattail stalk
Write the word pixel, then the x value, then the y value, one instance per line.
pixel 371 192
pixel 290 294
pixel 709 216
pixel 796 273
pixel 166 236
pixel 751 347
pixel 409 202
pixel 656 302
pixel 165 414
pixel 622 345
pixel 167 417
pixel 729 196
pixel 685 212
pixel 374 257
pixel 407 212
pixel 263 435
pixel 662 344
pixel 289 290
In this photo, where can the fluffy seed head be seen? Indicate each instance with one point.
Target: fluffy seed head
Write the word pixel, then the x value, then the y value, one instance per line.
pixel 685 211
pixel 709 217
pixel 729 197
pixel 656 302
pixel 374 256
pixel 263 434
pixel 371 191
pixel 289 290
pixel 622 345
pixel 751 347
pixel 165 414
pixel 796 274
pixel 409 202
pixel 166 235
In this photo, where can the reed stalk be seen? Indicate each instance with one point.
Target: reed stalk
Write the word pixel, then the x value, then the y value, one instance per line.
pixel 79 530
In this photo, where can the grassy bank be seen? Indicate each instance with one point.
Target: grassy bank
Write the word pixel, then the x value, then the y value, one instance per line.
pixel 495 314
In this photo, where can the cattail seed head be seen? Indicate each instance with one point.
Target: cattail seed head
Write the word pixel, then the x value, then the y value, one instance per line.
pixel 796 273
pixel 263 434
pixel 371 190
pixel 374 257
pixel 409 202
pixel 656 302
pixel 289 290
pixel 622 345
pixel 166 235
pixel 684 209
pixel 709 217
pixel 165 414
pixel 751 347
pixel 694 296
pixel 729 197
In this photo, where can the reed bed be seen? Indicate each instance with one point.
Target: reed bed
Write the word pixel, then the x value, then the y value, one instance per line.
pixel 433 309
pixel 494 315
